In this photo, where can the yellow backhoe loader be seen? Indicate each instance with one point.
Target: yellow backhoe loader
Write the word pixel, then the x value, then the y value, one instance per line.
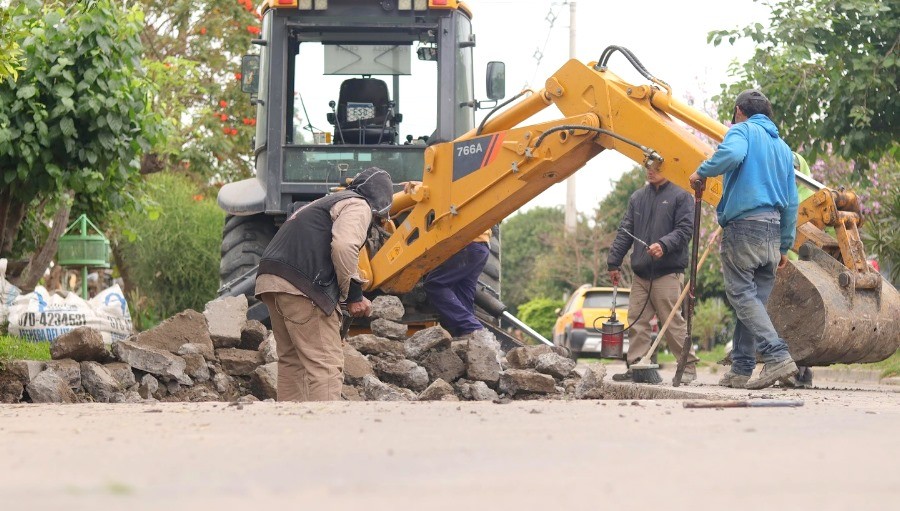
pixel 830 306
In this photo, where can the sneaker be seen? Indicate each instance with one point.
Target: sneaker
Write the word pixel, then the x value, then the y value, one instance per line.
pixel 772 372
pixel 626 376
pixel 734 380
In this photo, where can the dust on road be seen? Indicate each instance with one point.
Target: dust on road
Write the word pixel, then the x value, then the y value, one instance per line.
pixel 840 451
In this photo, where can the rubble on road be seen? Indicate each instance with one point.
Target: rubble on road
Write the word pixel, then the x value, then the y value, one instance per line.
pixel 220 356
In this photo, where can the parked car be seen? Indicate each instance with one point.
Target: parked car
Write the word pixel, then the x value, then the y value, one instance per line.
pixel 581 320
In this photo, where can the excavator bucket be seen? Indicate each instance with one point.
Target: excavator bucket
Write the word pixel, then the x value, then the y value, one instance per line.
pixel 826 318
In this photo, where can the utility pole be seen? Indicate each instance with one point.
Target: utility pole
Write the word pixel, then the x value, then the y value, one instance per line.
pixel 570 215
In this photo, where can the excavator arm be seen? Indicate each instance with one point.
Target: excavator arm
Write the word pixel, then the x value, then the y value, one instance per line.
pixel 480 178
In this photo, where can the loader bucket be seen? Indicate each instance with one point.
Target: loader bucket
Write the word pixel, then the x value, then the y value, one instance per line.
pixel 825 322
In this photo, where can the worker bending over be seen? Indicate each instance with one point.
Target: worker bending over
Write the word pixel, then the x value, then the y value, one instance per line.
pixel 306 271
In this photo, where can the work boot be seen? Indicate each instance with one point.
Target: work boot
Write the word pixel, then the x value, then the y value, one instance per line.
pixel 626 376
pixel 801 380
pixel 772 372
pixel 734 380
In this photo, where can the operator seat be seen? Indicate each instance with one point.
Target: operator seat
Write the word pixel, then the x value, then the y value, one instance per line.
pixel 364 113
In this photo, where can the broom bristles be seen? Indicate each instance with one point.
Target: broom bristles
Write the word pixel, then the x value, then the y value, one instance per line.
pixel 648 375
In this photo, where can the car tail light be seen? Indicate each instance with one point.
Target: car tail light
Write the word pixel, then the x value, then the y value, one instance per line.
pixel 578 319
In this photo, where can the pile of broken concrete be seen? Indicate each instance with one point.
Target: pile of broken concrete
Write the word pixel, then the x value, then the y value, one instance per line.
pixel 430 365
pixel 220 356
pixel 215 356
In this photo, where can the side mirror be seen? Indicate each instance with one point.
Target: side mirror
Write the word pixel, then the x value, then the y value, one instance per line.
pixel 558 311
pixel 496 80
pixel 250 74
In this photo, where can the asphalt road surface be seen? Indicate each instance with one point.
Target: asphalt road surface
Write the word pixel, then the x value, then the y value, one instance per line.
pixel 840 451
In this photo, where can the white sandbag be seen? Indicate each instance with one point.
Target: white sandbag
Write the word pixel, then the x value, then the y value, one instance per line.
pixel 8 294
pixel 41 316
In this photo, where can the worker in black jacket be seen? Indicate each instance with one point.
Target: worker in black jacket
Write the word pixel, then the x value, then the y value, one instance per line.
pixel 661 215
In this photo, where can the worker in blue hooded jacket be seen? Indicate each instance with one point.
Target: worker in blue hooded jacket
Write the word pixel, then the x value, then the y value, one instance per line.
pixel 758 212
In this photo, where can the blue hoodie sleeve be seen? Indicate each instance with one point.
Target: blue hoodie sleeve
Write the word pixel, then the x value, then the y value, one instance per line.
pixel 729 155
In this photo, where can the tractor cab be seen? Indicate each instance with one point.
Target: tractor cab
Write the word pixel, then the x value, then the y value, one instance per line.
pixel 340 86
pixel 343 85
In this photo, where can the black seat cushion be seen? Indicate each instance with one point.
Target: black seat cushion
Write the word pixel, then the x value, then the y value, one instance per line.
pixel 365 131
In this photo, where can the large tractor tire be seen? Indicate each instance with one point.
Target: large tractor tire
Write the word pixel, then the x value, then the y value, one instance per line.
pixel 244 239
pixel 490 276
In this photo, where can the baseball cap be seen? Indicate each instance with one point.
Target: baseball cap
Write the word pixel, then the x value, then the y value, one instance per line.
pixel 748 99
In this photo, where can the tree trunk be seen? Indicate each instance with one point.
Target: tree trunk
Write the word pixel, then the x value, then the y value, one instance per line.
pixel 54 281
pixel 12 212
pixel 42 257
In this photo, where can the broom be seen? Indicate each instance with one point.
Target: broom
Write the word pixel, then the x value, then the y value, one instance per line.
pixel 644 371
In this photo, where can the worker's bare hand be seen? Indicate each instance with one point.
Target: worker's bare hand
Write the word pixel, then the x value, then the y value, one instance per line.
pixel 695 177
pixel 783 262
pixel 362 308
pixel 614 276
pixel 410 186
pixel 655 250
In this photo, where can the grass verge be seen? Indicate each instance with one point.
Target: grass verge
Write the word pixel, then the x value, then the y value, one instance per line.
pixel 16 348
pixel 888 367
pixel 707 358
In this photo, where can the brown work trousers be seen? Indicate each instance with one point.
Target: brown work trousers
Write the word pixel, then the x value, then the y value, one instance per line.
pixel 310 357
pixel 662 298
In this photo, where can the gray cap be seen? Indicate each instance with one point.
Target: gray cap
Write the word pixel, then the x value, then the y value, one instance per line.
pixel 751 100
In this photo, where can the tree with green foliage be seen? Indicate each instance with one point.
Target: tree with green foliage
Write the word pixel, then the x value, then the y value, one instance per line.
pixel 879 197
pixel 10 52
pixel 192 54
pixel 76 120
pixel 540 314
pixel 581 259
pixel 169 258
pixel 832 71
pixel 525 236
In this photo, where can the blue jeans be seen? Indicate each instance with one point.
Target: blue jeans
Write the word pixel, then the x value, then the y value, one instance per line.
pixel 750 258
pixel 451 288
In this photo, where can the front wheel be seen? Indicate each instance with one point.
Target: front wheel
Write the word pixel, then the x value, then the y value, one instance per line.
pixel 244 239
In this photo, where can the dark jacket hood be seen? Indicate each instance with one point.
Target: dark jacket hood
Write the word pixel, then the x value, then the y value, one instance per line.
pixel 375 185
pixel 765 123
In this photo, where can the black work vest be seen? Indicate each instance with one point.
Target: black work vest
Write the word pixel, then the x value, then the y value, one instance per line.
pixel 301 252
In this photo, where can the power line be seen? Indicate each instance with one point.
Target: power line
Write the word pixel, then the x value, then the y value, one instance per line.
pixel 538 54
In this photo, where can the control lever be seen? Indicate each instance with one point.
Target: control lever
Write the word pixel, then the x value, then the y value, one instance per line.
pixel 387 116
pixel 337 122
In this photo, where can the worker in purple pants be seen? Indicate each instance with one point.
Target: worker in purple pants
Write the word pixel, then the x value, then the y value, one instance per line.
pixel 451 287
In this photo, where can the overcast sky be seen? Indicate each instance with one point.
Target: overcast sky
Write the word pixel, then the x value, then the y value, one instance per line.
pixel 668 37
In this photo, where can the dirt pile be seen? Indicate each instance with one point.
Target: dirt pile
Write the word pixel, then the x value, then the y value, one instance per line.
pixel 218 355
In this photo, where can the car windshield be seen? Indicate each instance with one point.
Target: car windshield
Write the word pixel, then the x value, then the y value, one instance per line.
pixel 603 300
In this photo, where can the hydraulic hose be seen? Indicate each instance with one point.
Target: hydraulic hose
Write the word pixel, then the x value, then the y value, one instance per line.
pixel 497 108
pixel 649 153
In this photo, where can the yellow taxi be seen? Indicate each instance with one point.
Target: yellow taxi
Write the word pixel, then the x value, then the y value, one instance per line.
pixel 581 320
